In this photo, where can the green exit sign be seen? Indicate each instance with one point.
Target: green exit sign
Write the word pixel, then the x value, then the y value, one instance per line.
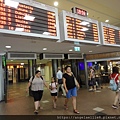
pixel 77 49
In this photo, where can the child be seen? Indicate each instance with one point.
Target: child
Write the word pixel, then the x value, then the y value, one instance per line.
pixel 53 87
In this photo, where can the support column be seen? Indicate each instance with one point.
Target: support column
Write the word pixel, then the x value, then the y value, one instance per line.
pixel 74 67
pixel 86 71
pixel 2 83
pixel 54 67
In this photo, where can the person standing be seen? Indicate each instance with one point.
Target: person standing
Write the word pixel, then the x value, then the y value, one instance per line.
pixel 92 79
pixel 53 88
pixel 59 76
pixel 37 86
pixel 70 88
pixel 116 76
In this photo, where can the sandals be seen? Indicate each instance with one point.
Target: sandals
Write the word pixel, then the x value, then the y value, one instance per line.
pixel 40 108
pixel 66 107
pixel 76 111
pixel 36 112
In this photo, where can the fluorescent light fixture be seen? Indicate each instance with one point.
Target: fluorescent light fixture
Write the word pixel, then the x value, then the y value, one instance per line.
pixel 106 20
pixel 28 17
pixel 12 3
pixel 90 51
pixel 19 29
pixel 8 46
pixel 84 23
pixel 44 48
pixel 55 3
pixel 70 50
pixel 84 29
pixel 22 63
pixel 46 33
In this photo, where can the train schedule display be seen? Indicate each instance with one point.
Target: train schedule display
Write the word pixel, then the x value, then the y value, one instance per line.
pixel 30 18
pixel 78 28
pixel 110 34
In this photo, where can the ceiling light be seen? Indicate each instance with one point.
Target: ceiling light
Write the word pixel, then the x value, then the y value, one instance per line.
pixel 106 20
pixel 11 60
pixel 28 17
pixel 12 3
pixel 8 46
pixel 22 63
pixel 90 51
pixel 70 50
pixel 84 23
pixel 44 48
pixel 55 3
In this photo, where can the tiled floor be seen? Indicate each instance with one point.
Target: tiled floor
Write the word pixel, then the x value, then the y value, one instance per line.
pixel 88 103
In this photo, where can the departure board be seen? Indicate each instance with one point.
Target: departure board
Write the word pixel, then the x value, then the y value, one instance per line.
pixel 28 18
pixel 78 28
pixel 110 34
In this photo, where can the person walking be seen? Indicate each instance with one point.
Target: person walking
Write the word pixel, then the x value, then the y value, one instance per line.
pixel 53 88
pixel 37 83
pixel 70 88
pixel 59 76
pixel 116 76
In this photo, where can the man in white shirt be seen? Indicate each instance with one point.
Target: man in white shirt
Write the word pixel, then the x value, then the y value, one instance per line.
pixel 60 81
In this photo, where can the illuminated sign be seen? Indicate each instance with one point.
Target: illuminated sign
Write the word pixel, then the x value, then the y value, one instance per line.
pixel 28 18
pixel 110 34
pixel 78 28
pixel 79 11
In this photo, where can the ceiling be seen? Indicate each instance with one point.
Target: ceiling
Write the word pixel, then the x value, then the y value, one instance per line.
pixel 97 9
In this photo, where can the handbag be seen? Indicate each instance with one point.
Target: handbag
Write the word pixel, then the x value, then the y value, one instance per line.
pixel 113 85
pixel 76 82
pixel 90 83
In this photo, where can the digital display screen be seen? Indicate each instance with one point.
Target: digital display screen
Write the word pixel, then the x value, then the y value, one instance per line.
pixel 79 11
pixel 81 29
pixel 16 16
pixel 77 28
pixel 111 35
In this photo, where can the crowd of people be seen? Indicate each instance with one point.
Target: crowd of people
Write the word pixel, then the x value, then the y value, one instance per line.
pixel 68 85
pixel 66 81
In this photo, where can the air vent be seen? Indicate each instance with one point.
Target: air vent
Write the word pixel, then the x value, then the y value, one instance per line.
pixel 21 56
pixel 51 56
pixel 75 56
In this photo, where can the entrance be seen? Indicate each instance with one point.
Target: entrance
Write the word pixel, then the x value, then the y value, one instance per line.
pixel 19 73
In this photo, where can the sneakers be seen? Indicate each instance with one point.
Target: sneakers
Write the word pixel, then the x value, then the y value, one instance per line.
pixel 115 106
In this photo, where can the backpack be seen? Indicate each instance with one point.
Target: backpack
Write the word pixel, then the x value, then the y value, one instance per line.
pixel 113 85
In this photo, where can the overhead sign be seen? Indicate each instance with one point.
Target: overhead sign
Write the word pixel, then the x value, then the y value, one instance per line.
pixel 77 49
pixel 110 35
pixel 23 17
pixel 78 28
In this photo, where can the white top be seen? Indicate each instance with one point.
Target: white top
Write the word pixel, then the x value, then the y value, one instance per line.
pixel 59 74
pixel 53 85
pixel 37 83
